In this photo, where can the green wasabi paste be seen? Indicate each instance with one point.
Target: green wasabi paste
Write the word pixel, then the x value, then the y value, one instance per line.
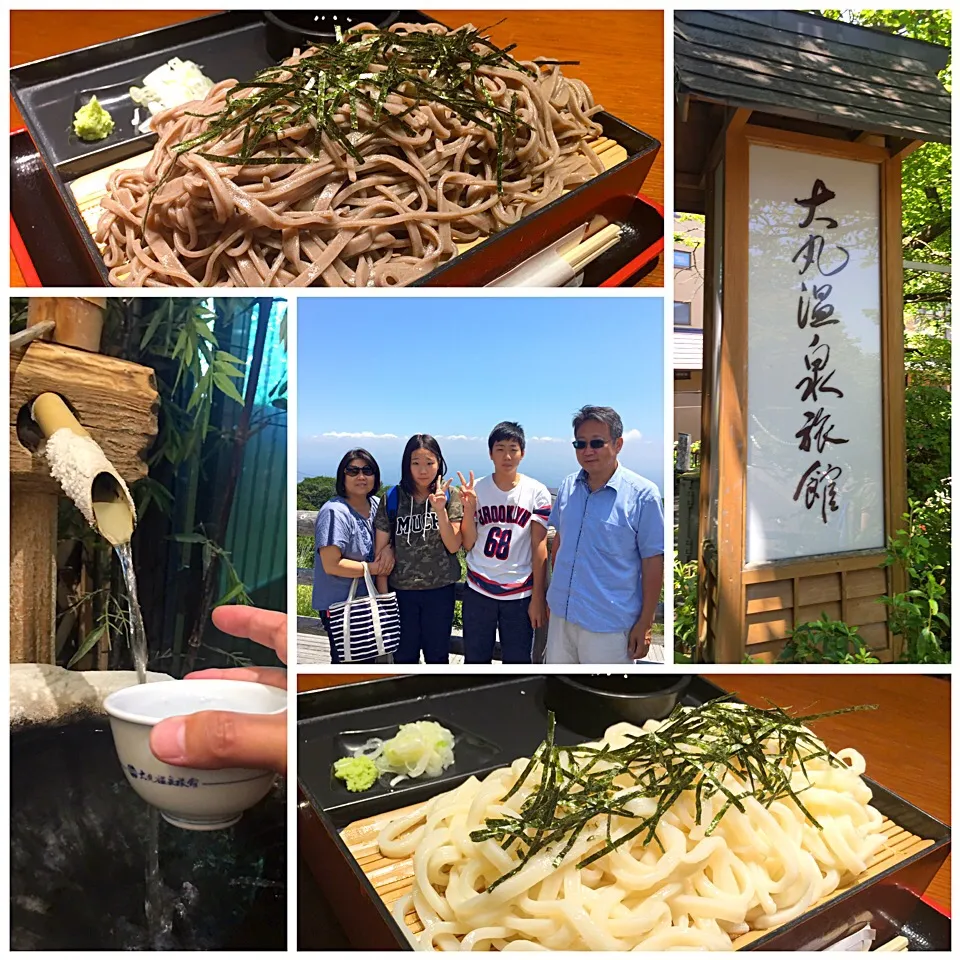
pixel 359 773
pixel 92 122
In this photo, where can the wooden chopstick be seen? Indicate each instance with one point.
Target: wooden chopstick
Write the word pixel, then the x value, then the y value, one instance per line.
pixel 584 253
pixel 896 945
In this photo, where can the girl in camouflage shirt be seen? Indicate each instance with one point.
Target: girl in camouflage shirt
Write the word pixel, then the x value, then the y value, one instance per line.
pixel 421 518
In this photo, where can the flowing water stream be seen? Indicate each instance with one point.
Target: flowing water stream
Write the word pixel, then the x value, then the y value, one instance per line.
pixel 158 912
pixel 138 635
pixel 114 519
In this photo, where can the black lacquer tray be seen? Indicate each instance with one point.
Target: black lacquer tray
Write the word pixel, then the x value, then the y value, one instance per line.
pixel 509 717
pixel 237 44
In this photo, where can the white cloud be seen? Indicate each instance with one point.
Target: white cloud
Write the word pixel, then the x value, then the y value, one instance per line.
pixel 632 435
pixel 357 435
pixel 456 436
pixel 546 440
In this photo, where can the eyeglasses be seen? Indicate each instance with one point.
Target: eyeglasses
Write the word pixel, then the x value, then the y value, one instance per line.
pixel 354 471
pixel 594 444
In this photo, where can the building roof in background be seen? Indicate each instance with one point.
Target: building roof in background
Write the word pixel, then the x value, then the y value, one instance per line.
pixel 811 68
pixel 687 349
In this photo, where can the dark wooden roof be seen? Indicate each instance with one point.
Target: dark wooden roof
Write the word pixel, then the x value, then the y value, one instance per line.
pixel 810 68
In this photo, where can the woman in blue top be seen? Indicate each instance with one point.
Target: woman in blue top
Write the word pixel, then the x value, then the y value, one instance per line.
pixel 343 537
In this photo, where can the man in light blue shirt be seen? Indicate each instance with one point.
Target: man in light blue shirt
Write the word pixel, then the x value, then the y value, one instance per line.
pixel 607 553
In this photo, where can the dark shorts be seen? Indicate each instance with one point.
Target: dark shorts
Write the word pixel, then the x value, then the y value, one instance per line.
pixel 484 618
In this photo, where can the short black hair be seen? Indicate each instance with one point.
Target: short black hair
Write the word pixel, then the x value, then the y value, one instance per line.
pixel 358 454
pixel 416 442
pixel 606 415
pixel 507 430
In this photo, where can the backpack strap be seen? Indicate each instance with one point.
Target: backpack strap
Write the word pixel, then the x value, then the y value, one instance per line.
pixel 393 508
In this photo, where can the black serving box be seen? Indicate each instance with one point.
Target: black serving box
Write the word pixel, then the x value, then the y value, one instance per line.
pixel 238 44
pixel 504 719
pixel 50 251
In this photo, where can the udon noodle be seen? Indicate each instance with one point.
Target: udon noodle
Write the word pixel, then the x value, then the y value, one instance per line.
pixel 758 868
pixel 422 177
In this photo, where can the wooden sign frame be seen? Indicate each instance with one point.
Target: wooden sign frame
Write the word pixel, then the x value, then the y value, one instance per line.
pixel 747 609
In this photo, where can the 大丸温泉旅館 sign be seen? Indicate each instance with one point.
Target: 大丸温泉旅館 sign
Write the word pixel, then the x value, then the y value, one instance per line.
pixel 815 401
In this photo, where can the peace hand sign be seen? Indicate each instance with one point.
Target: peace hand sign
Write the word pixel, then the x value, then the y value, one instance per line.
pixel 438 500
pixel 468 495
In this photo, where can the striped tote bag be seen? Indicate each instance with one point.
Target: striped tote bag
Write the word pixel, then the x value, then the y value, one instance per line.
pixel 365 627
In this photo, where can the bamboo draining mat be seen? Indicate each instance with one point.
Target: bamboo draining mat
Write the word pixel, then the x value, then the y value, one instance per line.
pixel 393 879
pixel 89 189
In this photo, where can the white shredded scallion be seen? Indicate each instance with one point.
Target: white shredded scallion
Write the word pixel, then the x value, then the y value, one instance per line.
pixel 174 82
pixel 423 748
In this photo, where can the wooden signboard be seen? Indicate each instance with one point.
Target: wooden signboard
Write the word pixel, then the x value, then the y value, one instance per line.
pixel 803 390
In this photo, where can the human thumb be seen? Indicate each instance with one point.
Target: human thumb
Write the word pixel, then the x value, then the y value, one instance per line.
pixel 213 739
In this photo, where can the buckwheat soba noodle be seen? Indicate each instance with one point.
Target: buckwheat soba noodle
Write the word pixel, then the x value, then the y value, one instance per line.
pixel 360 164
pixel 685 834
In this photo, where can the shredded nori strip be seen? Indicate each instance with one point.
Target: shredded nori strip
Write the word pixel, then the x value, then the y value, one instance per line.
pixel 692 750
pixel 365 67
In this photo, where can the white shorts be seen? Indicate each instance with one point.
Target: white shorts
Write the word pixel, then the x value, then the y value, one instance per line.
pixel 568 643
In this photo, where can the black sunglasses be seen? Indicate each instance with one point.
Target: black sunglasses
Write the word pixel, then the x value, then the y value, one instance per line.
pixel 353 471
pixel 594 444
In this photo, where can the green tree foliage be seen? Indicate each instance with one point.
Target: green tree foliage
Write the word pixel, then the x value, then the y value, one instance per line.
pixel 684 609
pixel 921 614
pixel 825 641
pixel 926 171
pixel 314 492
pixel 927 363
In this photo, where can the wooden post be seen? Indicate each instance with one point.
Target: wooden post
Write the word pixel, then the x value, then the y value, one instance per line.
pixel 894 387
pixel 728 641
pixel 706 545
pixel 33 574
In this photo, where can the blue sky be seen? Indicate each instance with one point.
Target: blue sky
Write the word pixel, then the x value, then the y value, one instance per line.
pixel 374 371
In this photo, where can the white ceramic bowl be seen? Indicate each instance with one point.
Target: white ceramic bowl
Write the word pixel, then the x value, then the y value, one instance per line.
pixel 187 797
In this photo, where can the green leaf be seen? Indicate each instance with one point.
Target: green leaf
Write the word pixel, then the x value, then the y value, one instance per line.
pixel 188 537
pixel 178 347
pixel 152 328
pixel 199 391
pixel 230 358
pixel 89 642
pixel 205 330
pixel 229 370
pixel 235 591
pixel 226 385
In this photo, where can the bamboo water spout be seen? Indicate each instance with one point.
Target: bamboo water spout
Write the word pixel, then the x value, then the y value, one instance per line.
pixel 116 402
pixel 85 474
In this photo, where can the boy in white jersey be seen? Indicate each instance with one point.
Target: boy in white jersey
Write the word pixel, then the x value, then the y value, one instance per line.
pixel 504 532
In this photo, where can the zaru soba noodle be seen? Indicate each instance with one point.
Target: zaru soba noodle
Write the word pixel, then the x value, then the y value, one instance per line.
pixel 363 163
pixel 685 834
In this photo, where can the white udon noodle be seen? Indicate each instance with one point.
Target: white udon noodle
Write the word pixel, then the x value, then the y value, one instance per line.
pixel 758 869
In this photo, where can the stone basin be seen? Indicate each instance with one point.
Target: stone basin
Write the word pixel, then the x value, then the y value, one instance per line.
pixel 78 852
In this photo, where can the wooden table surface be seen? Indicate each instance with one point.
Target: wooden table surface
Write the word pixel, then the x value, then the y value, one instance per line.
pixel 905 742
pixel 630 88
